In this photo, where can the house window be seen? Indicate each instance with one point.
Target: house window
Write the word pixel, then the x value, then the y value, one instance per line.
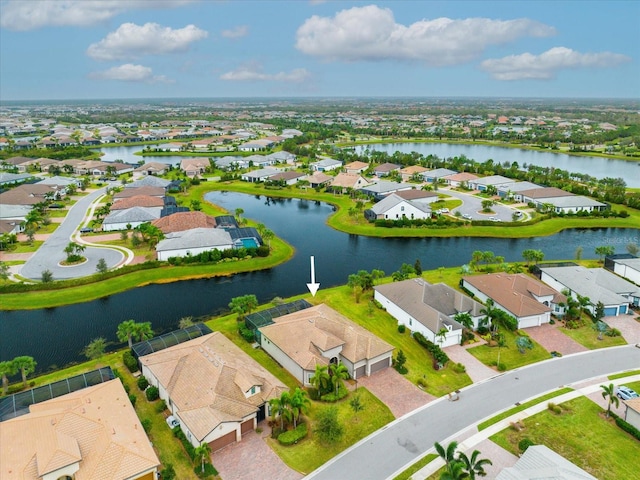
pixel 253 390
pixel 402 208
pixel 410 322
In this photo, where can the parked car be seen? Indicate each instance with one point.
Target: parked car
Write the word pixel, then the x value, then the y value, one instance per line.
pixel 518 213
pixel 625 393
pixel 86 230
pixel 467 216
pixel 172 422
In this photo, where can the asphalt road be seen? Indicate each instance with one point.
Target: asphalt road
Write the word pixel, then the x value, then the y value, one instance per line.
pixel 51 252
pixel 403 441
pixel 473 206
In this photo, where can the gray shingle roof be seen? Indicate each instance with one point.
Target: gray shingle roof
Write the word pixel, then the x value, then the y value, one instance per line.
pixel 195 238
pixel 132 215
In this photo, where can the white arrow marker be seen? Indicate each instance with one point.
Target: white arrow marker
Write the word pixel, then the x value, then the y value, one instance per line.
pixel 313 286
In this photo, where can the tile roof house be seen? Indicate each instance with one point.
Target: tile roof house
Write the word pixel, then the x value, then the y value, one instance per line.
pixel 407 173
pixel 181 221
pixel 542 192
pixel 259 175
pixel 530 301
pixel 152 168
pixel 571 204
pixel 627 266
pixel 632 412
pixel 539 462
pixel 597 284
pixel 457 179
pixel 383 170
pixel 356 167
pixel 428 309
pixel 216 391
pixel 129 218
pixel 194 166
pixel 325 165
pixel 149 181
pixel 394 207
pixel 437 174
pixel 319 179
pixel 290 177
pixel 345 181
pixel 318 336
pixel 146 201
pixel 482 183
pixel 29 194
pixel 146 191
pixel 92 433
pixel 193 242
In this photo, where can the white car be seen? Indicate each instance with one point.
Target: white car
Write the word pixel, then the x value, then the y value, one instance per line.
pixel 444 210
pixel 172 422
pixel 467 216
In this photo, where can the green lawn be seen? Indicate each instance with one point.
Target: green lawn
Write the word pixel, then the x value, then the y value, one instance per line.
pixel 624 374
pixel 586 336
pixel 582 436
pixel 24 247
pixel 523 406
pixel 406 475
pixel 509 355
pixel 310 453
pixel 383 325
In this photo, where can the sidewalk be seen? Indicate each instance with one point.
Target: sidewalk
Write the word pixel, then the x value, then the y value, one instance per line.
pixel 467 445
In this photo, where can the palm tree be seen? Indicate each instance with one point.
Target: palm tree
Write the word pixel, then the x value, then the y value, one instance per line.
pixel 449 457
pixel 143 331
pixel 7 369
pixel 203 452
pixel 268 235
pixel 608 391
pixel 601 328
pixel 321 379
pixel 455 472
pixel 338 373
pixel 490 315
pixel 26 365
pixel 473 465
pixel 280 408
pixel 299 403
pixel 126 331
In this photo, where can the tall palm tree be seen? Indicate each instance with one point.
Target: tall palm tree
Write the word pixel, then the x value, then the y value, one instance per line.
pixel 299 403
pixel 473 465
pixel 126 331
pixel 7 368
pixel 608 391
pixel 338 373
pixel 455 472
pixel 448 455
pixel 321 380
pixel 26 365
pixel 280 408
pixel 202 452
pixel 143 331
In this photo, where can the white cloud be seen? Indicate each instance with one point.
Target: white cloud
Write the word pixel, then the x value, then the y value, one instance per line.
pixel 133 41
pixel 371 33
pixel 29 15
pixel 252 72
pixel 237 32
pixel 547 64
pixel 130 73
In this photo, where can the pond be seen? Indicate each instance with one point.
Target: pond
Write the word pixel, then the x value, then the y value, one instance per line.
pixel 56 336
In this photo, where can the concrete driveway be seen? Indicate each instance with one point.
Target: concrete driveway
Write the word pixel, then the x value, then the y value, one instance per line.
pixel 51 252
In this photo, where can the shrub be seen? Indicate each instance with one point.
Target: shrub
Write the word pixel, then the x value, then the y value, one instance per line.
pixel 168 473
pixel 143 383
pixel 246 333
pixel 422 383
pixel 627 427
pixel 524 444
pixel 293 436
pixel 152 393
pixel 482 330
pixel 179 434
pixel 554 408
pixel 313 393
pixel 209 470
pixel 436 352
pixel 501 367
pixel 132 399
pixel 333 396
pixel 459 368
pixel 161 406
pixel 146 424
pixel 613 332
pixel 129 361
pixel 402 328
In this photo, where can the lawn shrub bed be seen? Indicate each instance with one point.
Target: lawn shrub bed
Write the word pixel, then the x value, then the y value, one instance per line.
pixel 436 352
pixel 293 436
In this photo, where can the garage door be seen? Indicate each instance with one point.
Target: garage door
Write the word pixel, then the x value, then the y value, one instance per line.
pixel 223 441
pixel 610 311
pixel 381 365
pixel 529 322
pixel 361 371
pixel 246 426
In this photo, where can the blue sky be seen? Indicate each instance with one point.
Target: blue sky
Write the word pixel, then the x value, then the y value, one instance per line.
pixel 87 49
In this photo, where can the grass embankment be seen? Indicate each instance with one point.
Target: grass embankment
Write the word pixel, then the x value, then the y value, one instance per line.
pixel 311 453
pixel 380 323
pixel 587 337
pixel 624 374
pixel 583 436
pixel 510 357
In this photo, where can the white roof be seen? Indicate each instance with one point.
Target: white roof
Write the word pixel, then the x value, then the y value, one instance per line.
pixel 195 238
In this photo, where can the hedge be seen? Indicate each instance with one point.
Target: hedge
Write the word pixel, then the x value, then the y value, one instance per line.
pixel 179 434
pixel 152 393
pixel 293 436
pixel 627 427
pixel 334 397
pixel 436 352
pixel 129 361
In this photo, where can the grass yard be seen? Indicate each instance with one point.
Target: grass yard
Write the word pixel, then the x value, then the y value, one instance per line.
pixel 509 355
pixel 383 325
pixel 624 374
pixel 406 475
pixel 25 247
pixel 310 453
pixel 586 336
pixel 582 436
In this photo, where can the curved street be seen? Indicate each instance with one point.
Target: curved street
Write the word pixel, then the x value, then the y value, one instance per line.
pixel 472 206
pixel 51 252
pixel 403 441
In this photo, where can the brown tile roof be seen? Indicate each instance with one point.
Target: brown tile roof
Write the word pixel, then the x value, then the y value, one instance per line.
pixel 95 427
pixel 146 190
pixel 26 194
pixel 514 292
pixel 208 380
pixel 461 177
pixel 153 166
pixel 288 175
pixel 357 165
pixel 633 404
pixel 347 180
pixel 303 335
pixel 386 167
pixel 319 178
pixel 137 201
pixel 545 192
pixel 415 194
pixel 410 170
pixel 178 222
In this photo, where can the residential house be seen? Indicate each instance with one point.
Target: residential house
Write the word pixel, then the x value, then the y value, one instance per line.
pixel 87 434
pixel 482 183
pixel 290 177
pixel 383 188
pixel 193 242
pixel 291 133
pixel 394 207
pixel 319 336
pixel 146 201
pixel 29 194
pixel 217 392
pixel 632 412
pixel 231 162
pixel 152 168
pixel 181 221
pixel 14 212
pixel 13 226
pixel 535 194
pixel 625 265
pixel 356 167
pixel 424 197
pixel 319 179
pixel 596 284
pixel 282 157
pixel 259 175
pixel 129 218
pixel 256 145
pixel 326 165
pixel 157 192
pixel 385 169
pixel 570 204
pixel 14 162
pixel 540 462
pixel 428 309
pixel 461 179
pixel 528 300
pixel 412 171
pixel 437 174
pixel 513 190
pixel 344 182
pixel 194 167
pixel 13 178
pixel 150 181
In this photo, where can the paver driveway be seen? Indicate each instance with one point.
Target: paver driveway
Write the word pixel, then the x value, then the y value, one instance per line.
pixel 553 340
pixel 628 326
